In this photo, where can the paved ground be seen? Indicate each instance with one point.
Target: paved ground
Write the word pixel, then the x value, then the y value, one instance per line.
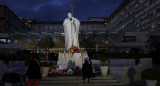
pixel 142 83
pixel 1 83
pixel 139 83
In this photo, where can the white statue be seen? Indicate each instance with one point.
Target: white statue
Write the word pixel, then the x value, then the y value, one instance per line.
pixel 71 30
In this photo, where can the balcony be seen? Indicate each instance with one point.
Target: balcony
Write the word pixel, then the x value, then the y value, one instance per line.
pixel 158 14
pixel 129 44
pixel 147 20
pixel 136 6
pixel 158 2
pixel 136 15
pixel 4 35
pixel 141 12
pixel 152 5
pixel 12 46
pixel 142 22
pixel 146 9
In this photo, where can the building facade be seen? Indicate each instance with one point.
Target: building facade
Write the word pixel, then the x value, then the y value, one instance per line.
pixel 10 26
pixel 10 23
pixel 94 27
pixel 135 16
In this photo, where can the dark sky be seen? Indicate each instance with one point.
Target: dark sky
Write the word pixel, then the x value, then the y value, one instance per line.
pixel 56 10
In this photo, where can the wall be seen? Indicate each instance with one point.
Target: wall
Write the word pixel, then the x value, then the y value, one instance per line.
pixel 130 74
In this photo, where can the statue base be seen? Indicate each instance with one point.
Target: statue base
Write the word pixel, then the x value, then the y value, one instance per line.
pixel 68 60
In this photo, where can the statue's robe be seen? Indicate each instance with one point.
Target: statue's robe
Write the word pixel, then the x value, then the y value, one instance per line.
pixel 71 31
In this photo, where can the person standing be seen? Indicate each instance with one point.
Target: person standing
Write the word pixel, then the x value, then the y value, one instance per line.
pixel 87 71
pixel 33 73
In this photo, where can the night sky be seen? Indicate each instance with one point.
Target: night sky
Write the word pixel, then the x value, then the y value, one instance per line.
pixel 56 10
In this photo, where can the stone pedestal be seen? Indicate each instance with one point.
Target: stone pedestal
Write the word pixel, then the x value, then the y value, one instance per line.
pixel 66 59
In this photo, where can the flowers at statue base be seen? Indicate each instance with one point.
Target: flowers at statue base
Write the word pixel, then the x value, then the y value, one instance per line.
pixel 71 50
pixel 75 48
pixel 65 71
pixel 56 70
pixel 53 71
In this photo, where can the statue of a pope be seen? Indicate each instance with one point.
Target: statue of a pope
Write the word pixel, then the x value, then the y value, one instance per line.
pixel 71 30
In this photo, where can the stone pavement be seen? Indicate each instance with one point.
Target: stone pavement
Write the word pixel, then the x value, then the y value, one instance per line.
pixel 139 83
pixel 142 83
pixel 1 83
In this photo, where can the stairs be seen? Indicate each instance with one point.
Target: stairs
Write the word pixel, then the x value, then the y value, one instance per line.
pixel 77 81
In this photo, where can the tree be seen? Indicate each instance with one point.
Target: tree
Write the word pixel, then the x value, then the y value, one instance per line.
pixel 154 46
pixel 154 43
pixel 46 43
pixel 87 43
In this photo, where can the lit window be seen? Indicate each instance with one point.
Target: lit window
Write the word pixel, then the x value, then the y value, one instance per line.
pixel 122 26
pixel 153 26
pixel 8 40
pixel 3 40
pixel 29 21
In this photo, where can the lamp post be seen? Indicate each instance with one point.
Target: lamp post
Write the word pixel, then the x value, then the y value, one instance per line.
pixel 96 47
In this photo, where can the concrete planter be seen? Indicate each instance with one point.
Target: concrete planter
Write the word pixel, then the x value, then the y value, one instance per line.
pixel 151 82
pixel 7 84
pixel 44 71
pixel 11 84
pixel 104 70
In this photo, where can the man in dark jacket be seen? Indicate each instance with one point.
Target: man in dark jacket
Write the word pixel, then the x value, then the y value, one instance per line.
pixel 33 72
pixel 87 70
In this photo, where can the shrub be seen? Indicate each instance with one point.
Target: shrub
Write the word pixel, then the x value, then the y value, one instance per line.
pixel 15 57
pixel 11 77
pixel 94 56
pixel 46 64
pixel 150 74
pixel 52 57
pixel 103 59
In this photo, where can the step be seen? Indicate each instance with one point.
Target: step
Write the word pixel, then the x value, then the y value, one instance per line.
pixel 75 77
pixel 87 84
pixel 76 81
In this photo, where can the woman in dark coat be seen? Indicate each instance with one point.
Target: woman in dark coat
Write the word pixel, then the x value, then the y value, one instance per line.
pixel 33 72
pixel 87 71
